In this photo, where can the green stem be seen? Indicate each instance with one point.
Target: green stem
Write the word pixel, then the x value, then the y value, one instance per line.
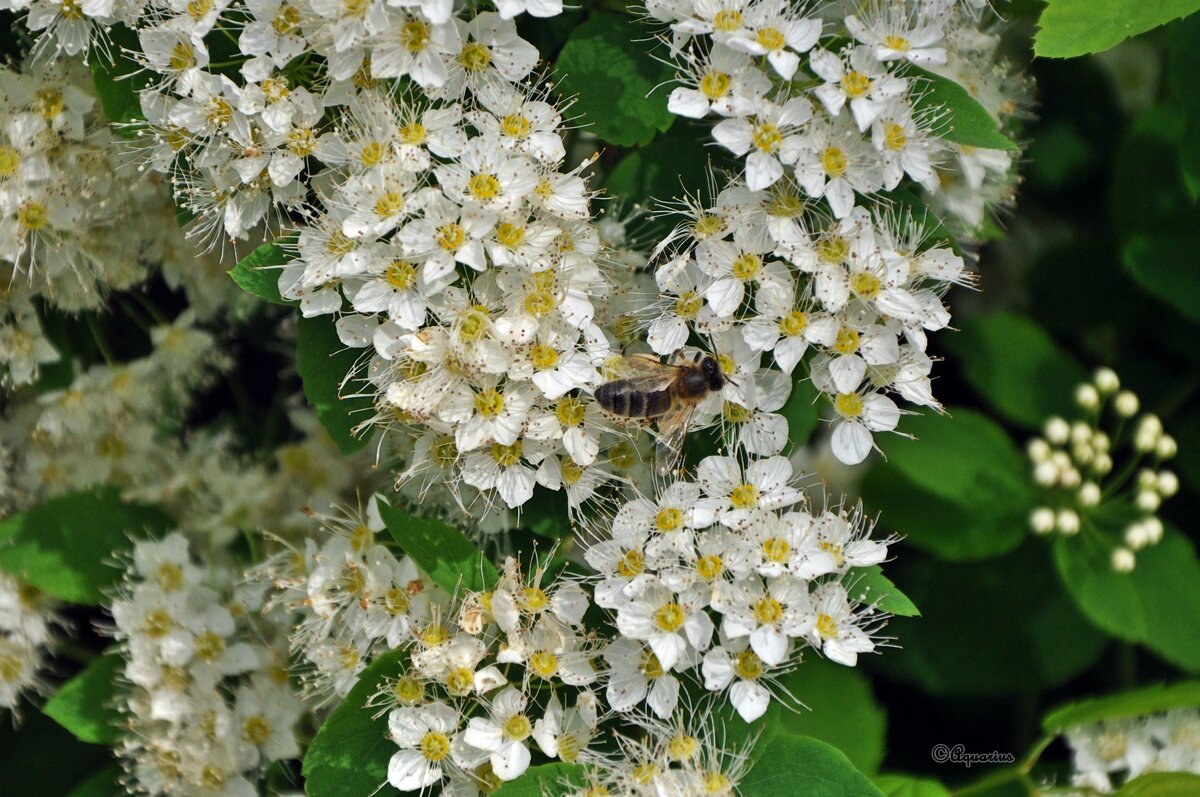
pixel 98 337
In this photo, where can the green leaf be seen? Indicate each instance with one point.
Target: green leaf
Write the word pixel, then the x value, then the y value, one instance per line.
pixel 965 121
pixel 1017 368
pixel 971 607
pixel 119 81
pixel 798 765
pixel 38 757
pixel 803 412
pixel 869 584
pixel 324 362
pixel 1158 604
pixel 1135 703
pixel 611 73
pixel 349 755
pixel 1166 267
pixel 1009 782
pixel 105 783
pixel 65 546
pixel 961 490
pixel 673 164
pixel 1162 784
pixel 841 711
pixel 905 786
pixel 84 704
pixel 1069 28
pixel 449 559
pixel 256 273
pixel 545 780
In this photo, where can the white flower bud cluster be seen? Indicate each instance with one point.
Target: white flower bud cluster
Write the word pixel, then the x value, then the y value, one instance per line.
pixel 208 701
pixel 1105 755
pixel 802 251
pixel 28 620
pixel 1073 463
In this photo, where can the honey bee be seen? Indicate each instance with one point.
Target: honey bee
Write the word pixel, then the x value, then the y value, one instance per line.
pixel 667 393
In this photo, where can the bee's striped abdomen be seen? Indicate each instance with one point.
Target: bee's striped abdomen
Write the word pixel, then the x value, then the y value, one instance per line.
pixel 620 398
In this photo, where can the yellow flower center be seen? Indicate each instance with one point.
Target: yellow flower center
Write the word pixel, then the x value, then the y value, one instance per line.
pixel 156 624
pixel 744 496
pixel 746 266
pixel 669 519
pixel 506 456
pixel 834 249
pixel 484 187
pixel 395 601
pixel 771 38
pixel 389 204
pixel 409 690
pixel 727 20
pixel 169 576
pixel 768 611
pixel 710 567
pixel 569 411
pixel 460 682
pixel 793 324
pixel 48 102
pixel 865 285
pixel 834 550
pixel 435 746
pixel 846 342
pixel 32 216
pixel 515 126
pixel 748 666
pixel 651 667
pixel 412 133
pixel 286 20
pixel 834 161
pixel 688 305
pixel 517 727
pixel 182 57
pixel 766 137
pixel 510 235
pixel 435 634
pixel 543 357
pixel 219 111
pixel 631 564
pixel 544 664
pixel 683 747
pixel 571 472
pixel 256 729
pixel 371 153
pixel 10 159
pixel 855 84
pixel 898 43
pixel 301 142
pixel 707 225
pixel 735 413
pixel 715 84
pixel 827 627
pixel 893 136
pixel 670 617
pixel 717 783
pixel 209 646
pixel 400 275
pixel 474 323
pixel 776 549
pixel 848 405
pixel 475 57
pixel 414 35
pixel 72 10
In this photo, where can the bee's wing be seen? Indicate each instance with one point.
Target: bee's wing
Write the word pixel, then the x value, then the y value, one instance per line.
pixel 646 372
pixel 672 429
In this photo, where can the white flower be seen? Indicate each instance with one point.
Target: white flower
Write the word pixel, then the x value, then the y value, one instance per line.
pixel 860 414
pixel 836 630
pixel 770 617
pixel 736 496
pixel 670 624
pixel 487 176
pixel 770 135
pixel 899 32
pixel 863 82
pixel 503 734
pixel 770 28
pixel 733 666
pixel 635 674
pixel 726 83
pixel 416 47
pixel 834 162
pixel 424 735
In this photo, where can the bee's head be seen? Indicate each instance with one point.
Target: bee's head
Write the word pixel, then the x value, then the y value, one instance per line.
pixel 712 370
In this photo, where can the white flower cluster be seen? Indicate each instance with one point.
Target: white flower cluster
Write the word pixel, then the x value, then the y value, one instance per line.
pixel 722 582
pixel 27 622
pixel 732 576
pixel 1084 486
pixel 1110 753
pixel 209 705
pixel 802 249
pixel 67 209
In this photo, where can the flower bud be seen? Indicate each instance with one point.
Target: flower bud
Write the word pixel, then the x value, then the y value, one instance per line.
pixel 1123 560
pixel 1102 465
pixel 1101 441
pixel 1080 433
pixel 1168 483
pixel 1057 431
pixel 1136 536
pixel 1146 479
pixel 1089 494
pixel 1106 381
pixel 1041 520
pixel 1038 450
pixel 1070 478
pixel 1148 501
pixel 1046 474
pixel 1166 447
pixel 1087 396
pixel 1067 522
pixel 1126 404
pixel 1154 529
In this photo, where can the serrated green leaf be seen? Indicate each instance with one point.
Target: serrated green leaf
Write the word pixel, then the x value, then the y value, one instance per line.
pixel 84 704
pixel 65 546
pixel 840 711
pixel 1158 604
pixel 546 780
pixel 611 74
pixel 1166 267
pixel 449 559
pixel 1016 367
pixel 118 82
pixel 1162 784
pixel 964 120
pixel 870 585
pixel 799 765
pixel 905 786
pixel 258 274
pixel 1135 703
pixel 349 755
pixel 324 362
pixel 1069 28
